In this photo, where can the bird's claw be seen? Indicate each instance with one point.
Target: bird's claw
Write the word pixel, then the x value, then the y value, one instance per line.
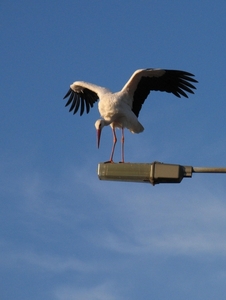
pixel 109 162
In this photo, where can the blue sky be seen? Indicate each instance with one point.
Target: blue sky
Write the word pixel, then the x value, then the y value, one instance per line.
pixel 64 233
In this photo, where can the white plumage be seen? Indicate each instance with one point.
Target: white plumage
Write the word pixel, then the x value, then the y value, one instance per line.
pixel 121 109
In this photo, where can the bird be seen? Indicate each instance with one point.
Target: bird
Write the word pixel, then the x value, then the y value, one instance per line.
pixel 121 109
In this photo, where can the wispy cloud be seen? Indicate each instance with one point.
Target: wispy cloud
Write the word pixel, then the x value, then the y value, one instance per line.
pixel 42 262
pixel 128 218
pixel 188 222
pixel 104 291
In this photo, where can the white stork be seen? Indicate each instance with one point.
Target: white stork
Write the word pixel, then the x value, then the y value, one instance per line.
pixel 121 109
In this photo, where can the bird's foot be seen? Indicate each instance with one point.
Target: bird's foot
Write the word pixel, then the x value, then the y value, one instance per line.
pixel 109 162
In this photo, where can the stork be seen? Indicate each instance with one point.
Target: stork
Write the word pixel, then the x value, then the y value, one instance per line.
pixel 121 109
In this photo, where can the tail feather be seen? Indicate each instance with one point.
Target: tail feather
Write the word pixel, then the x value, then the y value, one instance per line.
pixel 137 128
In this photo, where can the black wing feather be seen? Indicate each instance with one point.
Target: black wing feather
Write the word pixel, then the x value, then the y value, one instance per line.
pixel 71 100
pixel 82 105
pixel 172 81
pixel 77 103
pixel 85 98
pixel 68 93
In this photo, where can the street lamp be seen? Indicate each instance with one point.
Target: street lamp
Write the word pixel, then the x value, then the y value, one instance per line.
pixel 153 173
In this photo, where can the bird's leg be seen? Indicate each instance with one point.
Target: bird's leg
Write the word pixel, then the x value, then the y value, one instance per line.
pixel 123 138
pixel 114 143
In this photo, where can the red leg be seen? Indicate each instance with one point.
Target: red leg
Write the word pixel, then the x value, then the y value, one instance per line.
pixel 123 138
pixel 114 143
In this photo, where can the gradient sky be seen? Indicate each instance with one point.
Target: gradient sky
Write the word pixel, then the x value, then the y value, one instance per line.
pixel 66 235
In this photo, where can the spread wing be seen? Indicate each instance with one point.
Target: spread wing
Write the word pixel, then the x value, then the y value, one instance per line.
pixel 80 96
pixel 171 81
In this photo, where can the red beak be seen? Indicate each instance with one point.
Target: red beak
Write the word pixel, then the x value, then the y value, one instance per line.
pixel 98 137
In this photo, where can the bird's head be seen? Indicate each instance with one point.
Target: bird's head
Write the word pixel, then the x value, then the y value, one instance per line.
pixel 99 125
